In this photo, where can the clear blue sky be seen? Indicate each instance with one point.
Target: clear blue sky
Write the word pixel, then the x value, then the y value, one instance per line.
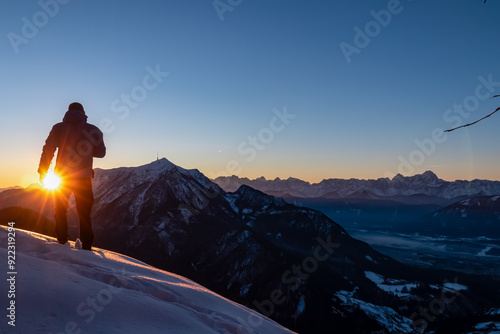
pixel 227 79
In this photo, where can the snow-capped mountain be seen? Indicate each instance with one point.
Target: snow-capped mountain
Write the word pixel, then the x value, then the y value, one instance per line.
pixel 426 184
pixel 292 264
pixel 60 289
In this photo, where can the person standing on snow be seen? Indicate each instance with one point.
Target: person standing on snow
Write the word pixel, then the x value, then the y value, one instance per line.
pixel 78 142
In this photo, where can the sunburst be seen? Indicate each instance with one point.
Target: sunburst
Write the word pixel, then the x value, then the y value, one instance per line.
pixel 51 181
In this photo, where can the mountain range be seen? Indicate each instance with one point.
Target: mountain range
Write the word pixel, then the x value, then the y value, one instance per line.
pixel 424 188
pixel 421 203
pixel 290 263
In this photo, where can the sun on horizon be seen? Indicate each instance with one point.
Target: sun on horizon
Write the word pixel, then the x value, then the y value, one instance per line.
pixel 51 181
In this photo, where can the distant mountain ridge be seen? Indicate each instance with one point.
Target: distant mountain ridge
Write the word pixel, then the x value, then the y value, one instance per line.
pixel 427 184
pixel 472 217
pixel 9 188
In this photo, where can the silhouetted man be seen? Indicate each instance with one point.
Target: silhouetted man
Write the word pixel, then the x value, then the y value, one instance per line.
pixel 78 142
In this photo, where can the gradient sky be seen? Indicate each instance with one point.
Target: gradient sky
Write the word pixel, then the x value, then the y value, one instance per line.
pixel 231 70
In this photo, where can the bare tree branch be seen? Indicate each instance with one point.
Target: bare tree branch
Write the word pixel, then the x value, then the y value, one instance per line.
pixel 466 125
pixel 463 126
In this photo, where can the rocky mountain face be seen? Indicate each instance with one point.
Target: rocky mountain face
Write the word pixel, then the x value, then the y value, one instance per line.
pixel 292 264
pixel 401 188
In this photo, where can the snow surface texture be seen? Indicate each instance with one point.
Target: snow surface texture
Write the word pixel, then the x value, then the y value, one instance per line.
pixel 385 316
pixel 395 287
pixel 60 289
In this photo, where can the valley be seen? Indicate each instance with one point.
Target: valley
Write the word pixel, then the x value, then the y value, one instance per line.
pixel 480 256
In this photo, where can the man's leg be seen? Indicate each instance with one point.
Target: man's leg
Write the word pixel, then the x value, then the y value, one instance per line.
pixel 61 213
pixel 84 199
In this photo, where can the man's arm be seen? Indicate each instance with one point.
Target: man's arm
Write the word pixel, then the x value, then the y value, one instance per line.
pixel 99 149
pixel 47 153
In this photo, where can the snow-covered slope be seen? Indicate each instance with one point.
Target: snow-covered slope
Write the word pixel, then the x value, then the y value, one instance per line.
pixel 60 289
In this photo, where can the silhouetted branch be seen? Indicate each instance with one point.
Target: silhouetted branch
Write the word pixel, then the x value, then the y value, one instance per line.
pixel 463 126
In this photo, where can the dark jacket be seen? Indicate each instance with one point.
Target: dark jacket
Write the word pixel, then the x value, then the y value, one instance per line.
pixel 78 143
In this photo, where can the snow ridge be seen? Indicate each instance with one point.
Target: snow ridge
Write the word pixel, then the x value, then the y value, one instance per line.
pixel 106 292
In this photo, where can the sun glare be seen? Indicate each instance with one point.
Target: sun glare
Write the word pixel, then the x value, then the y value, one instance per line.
pixel 51 181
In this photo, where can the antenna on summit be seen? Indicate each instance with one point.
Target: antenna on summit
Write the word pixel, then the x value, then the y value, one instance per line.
pixel 157 155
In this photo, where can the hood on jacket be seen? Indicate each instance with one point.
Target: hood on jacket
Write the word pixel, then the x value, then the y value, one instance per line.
pixel 74 116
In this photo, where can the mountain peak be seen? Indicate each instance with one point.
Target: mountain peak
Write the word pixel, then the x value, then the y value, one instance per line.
pixel 32 186
pixel 398 177
pixel 430 175
pixel 153 168
pixel 256 198
pixel 427 176
pixel 245 190
pixel 161 164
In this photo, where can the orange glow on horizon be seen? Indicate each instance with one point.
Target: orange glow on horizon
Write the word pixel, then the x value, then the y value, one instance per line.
pixel 24 176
